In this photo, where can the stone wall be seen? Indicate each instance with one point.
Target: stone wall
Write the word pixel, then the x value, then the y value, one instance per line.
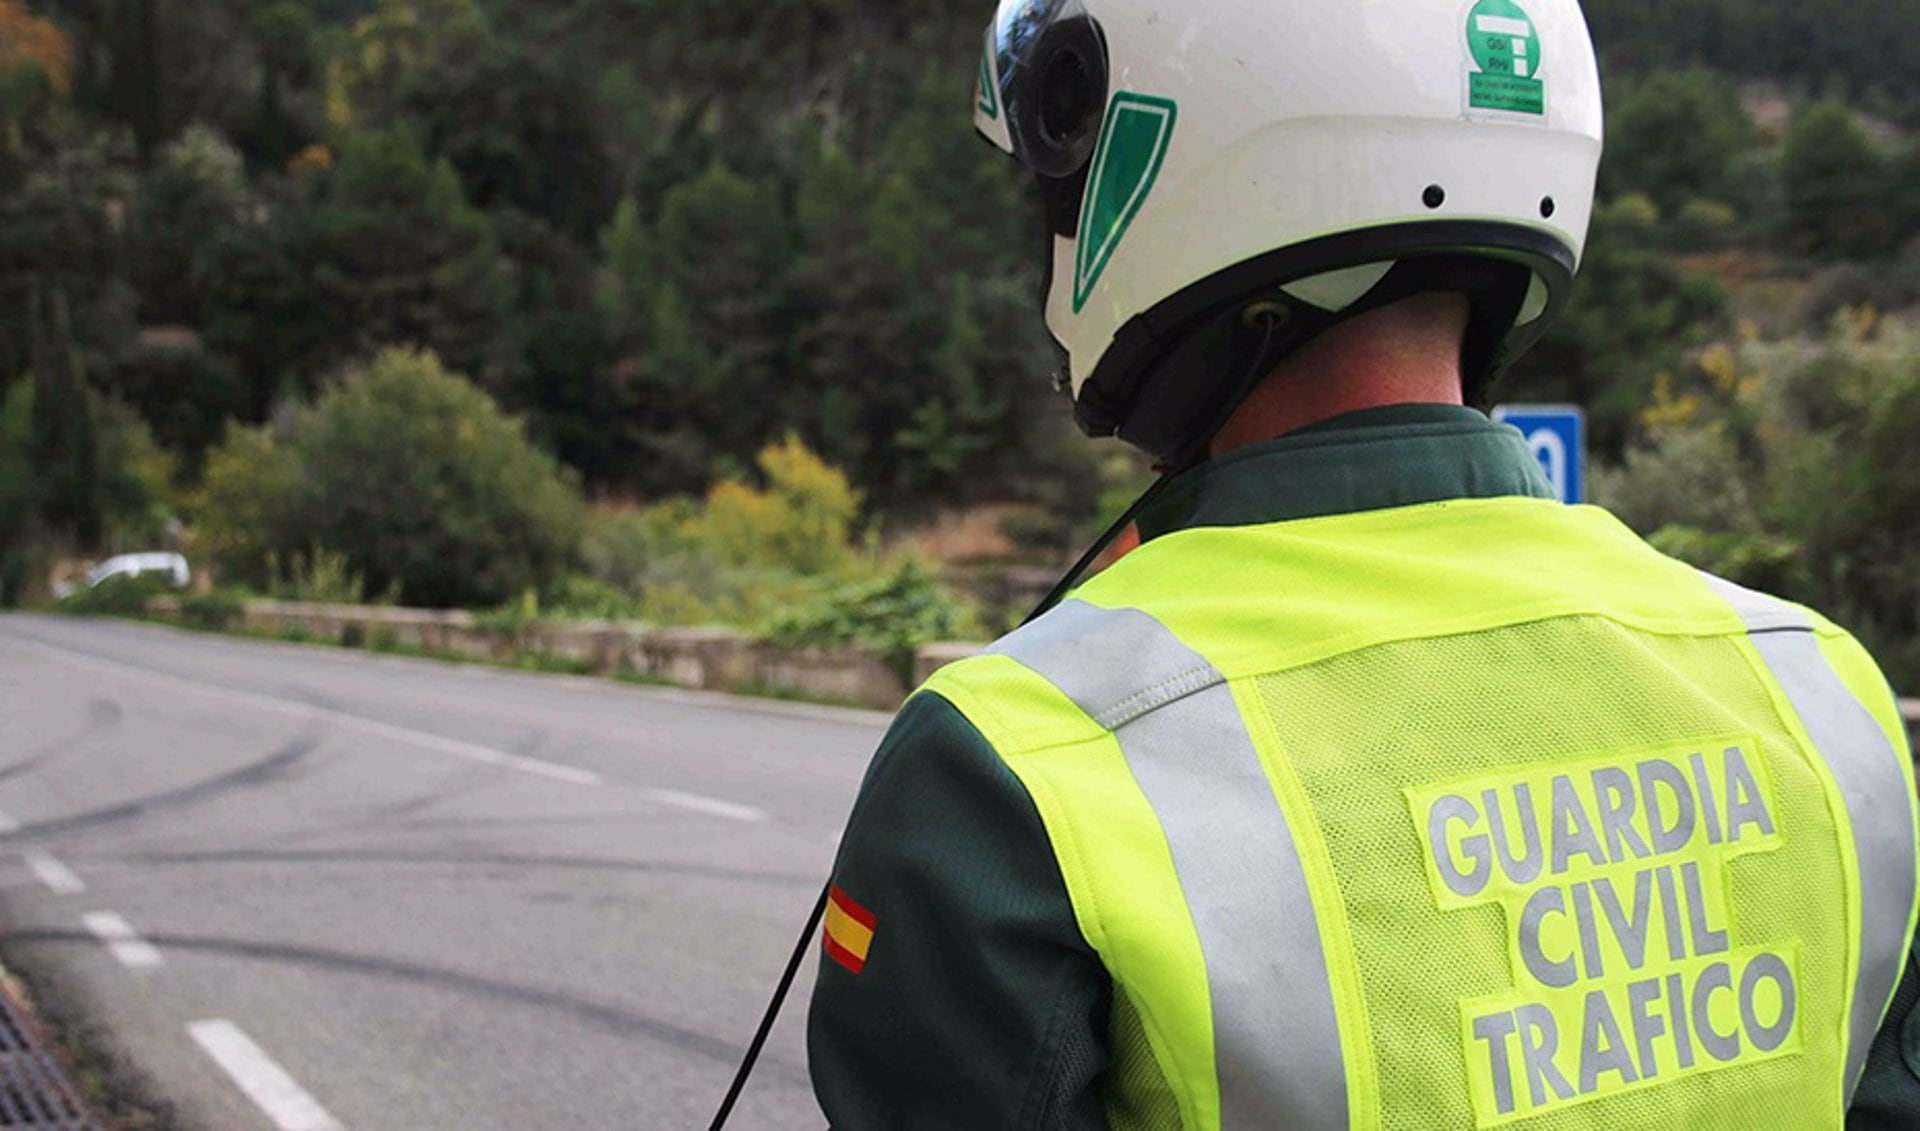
pixel 715 659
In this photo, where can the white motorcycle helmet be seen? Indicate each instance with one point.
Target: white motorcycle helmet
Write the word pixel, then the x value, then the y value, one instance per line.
pixel 1223 179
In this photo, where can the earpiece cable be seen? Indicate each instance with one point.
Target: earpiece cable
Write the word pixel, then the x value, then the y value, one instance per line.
pixel 1197 453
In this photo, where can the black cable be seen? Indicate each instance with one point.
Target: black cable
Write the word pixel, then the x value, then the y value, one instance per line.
pixel 1193 456
pixel 773 1010
pixel 800 948
pixel 1072 577
pixel 1060 589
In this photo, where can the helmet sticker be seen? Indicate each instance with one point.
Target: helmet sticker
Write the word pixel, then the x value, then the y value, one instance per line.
pixel 989 100
pixel 1504 50
pixel 1133 143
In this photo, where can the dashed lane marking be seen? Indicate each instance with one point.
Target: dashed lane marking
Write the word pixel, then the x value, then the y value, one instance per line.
pixel 273 1091
pixel 421 739
pixel 134 952
pixel 59 878
pixel 712 806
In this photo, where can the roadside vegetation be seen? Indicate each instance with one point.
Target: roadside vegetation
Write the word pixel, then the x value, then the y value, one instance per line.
pixel 693 312
pixel 404 484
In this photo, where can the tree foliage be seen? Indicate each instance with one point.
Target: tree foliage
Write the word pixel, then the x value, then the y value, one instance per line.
pixel 1634 310
pixel 35 64
pixel 412 474
pixel 1677 137
pixel 670 235
pixel 1833 178
pixel 1785 467
pixel 1867 54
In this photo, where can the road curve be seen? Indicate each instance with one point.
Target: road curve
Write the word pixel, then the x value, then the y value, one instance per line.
pixel 297 887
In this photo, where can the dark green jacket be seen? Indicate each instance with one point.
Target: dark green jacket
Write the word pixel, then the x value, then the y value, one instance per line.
pixel 979 1005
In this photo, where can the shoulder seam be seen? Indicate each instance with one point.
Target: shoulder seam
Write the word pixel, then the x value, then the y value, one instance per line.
pixel 1152 698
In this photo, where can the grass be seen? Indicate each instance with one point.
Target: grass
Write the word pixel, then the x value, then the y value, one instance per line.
pixel 553 665
pixel 643 679
pixel 756 690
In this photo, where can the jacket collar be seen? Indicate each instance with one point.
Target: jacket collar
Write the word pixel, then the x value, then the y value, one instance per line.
pixel 1373 459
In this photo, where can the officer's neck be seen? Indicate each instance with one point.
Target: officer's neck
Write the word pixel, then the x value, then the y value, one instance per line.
pixel 1405 353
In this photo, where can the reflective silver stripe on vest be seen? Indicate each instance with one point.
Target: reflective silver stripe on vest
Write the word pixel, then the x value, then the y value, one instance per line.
pixel 1276 1039
pixel 1867 769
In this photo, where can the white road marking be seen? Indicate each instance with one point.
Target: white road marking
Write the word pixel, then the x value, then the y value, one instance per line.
pixel 8 824
pixel 434 742
pixel 285 1102
pixel 712 806
pixel 134 952
pixel 57 876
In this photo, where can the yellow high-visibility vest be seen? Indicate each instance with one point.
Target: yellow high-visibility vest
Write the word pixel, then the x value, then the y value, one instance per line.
pixel 1459 815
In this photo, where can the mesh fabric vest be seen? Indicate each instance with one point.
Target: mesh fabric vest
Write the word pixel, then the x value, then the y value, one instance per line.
pixel 1468 814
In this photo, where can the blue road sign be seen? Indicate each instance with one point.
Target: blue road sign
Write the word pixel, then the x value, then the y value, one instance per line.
pixel 1557 433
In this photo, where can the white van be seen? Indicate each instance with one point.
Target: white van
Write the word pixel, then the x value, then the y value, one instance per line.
pixel 171 567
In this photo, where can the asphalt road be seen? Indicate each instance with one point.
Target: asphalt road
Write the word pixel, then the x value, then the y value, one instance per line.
pixel 304 888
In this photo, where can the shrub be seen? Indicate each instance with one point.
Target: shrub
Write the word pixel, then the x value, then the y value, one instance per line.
pixel 801 521
pixel 1645 117
pixel 412 474
pixel 633 550
pixel 743 553
pixel 247 504
pixel 319 575
pixel 512 620
pixel 1788 467
pixel 895 613
pixel 118 596
pixel 217 610
pixel 1704 223
pixel 1833 177
pixel 676 604
pixel 577 597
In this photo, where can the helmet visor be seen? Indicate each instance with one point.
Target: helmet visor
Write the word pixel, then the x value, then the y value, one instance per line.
pixel 1050 68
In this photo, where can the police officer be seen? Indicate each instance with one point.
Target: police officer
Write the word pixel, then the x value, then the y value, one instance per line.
pixel 1376 789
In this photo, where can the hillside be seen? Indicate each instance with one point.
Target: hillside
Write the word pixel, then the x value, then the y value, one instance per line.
pixel 667 234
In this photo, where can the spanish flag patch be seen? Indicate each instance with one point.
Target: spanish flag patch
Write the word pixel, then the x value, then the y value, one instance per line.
pixel 849 930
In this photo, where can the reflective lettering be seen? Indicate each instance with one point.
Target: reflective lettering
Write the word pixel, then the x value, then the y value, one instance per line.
pixel 1539 1041
pixel 1667 837
pixel 1720 1046
pixel 1615 790
pixel 1766 967
pixel 1630 932
pixel 1705 939
pixel 1646 1026
pixel 1601 1046
pixel 1558 974
pixel 1571 831
pixel 1589 930
pixel 1475 849
pixel 1627 1032
pixel 1583 860
pixel 1682 1036
pixel 1744 804
pixel 1496 1029
pixel 1709 808
pixel 1670 914
pixel 1526 868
